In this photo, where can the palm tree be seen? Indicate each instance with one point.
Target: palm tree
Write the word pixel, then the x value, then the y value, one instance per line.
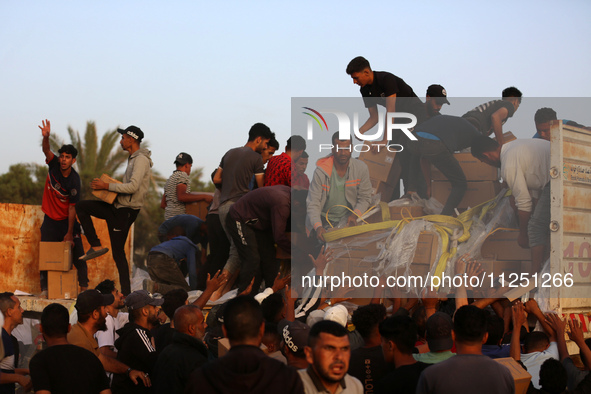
pixel 93 159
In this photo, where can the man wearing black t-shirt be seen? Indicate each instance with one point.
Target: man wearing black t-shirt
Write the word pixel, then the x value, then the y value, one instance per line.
pixel 78 370
pixel 399 334
pixel 391 92
pixel 60 195
pixel 490 117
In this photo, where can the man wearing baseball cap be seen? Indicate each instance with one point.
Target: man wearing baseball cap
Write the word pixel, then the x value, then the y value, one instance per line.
pixel 134 344
pixel 295 339
pixel 436 97
pixel 92 315
pixel 121 215
pixel 177 191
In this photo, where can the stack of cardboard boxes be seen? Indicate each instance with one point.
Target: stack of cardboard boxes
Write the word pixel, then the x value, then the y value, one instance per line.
pixel 384 172
pixel 502 254
pixel 62 278
pixel 483 180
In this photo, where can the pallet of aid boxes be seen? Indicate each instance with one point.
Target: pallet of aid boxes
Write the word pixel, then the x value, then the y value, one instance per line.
pixel 357 256
pixel 62 278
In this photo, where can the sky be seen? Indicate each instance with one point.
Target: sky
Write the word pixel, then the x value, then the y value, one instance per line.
pixel 194 76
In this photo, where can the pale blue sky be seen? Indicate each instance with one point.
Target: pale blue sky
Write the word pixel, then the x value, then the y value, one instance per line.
pixel 195 76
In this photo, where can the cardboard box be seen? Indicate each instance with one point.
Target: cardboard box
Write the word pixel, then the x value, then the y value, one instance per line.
pixel 198 208
pixel 379 164
pixel 520 375
pixel 363 245
pixel 406 211
pixel 359 268
pixel 498 267
pixel 477 192
pixel 426 251
pixel 474 169
pixel 62 285
pixel 502 245
pixel 385 190
pixel 338 267
pixel 106 195
pixel 55 256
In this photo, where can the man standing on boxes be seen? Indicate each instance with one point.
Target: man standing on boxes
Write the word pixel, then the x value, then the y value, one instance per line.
pixel 60 195
pixel 121 215
pixel 177 191
pixel 340 188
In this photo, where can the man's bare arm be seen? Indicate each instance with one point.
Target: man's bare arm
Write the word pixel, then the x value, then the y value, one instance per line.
pixel 497 119
pixel 45 132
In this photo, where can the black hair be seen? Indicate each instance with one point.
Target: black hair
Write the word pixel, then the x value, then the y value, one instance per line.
pixel 271 332
pixel 55 320
pixel 243 318
pixel 273 143
pixel 534 341
pixel 544 115
pixel 327 327
pixel 470 324
pixel 335 138
pixel 582 355
pixel 272 307
pixel 6 301
pixel 366 318
pixel 107 286
pixel 401 330
pixel 357 65
pixel 553 376
pixel 512 91
pixel 173 300
pixel 483 144
pixel 495 329
pixel 68 149
pixel 419 316
pixel 296 142
pixel 260 130
pixel 304 155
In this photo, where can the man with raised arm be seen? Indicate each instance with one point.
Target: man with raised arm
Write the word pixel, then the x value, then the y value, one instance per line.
pixel 60 195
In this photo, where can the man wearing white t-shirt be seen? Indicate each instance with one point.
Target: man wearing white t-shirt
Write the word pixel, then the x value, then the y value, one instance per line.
pixel 115 320
pixel 525 167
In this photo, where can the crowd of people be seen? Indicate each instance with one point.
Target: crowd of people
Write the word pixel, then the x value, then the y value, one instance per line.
pixel 263 338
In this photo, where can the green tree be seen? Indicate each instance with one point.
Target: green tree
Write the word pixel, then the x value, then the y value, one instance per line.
pixel 197 185
pixel 23 184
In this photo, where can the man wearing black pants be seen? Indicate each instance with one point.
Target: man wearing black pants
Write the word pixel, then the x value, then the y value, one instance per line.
pixel 256 222
pixel 61 193
pixel 438 138
pixel 121 215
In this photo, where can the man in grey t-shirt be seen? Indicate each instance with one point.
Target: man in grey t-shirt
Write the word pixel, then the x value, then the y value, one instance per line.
pixel 234 174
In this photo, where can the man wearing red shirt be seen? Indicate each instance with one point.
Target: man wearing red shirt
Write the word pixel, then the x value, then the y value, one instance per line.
pixel 279 168
pixel 60 195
